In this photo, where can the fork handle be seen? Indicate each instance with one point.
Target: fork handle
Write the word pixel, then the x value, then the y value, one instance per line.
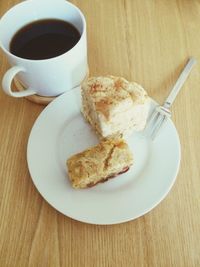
pixel 179 83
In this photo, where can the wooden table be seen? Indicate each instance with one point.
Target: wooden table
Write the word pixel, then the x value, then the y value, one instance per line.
pixel 146 41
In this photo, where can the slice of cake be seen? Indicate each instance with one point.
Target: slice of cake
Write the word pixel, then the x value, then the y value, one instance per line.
pixel 106 160
pixel 112 105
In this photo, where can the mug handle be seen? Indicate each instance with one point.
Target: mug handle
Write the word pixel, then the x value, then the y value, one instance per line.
pixel 7 81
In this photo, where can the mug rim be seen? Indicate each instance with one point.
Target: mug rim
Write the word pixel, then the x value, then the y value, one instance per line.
pixel 46 59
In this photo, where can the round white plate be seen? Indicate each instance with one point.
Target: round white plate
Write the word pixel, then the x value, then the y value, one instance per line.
pixel 61 131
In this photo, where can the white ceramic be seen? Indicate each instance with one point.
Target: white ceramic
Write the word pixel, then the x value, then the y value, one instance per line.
pixel 60 131
pixel 49 77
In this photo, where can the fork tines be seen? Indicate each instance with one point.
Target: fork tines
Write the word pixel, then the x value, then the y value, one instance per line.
pixel 157 119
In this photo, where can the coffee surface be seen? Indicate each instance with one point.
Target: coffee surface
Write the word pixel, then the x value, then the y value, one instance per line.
pixel 44 39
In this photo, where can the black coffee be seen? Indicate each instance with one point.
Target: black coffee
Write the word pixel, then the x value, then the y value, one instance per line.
pixel 44 39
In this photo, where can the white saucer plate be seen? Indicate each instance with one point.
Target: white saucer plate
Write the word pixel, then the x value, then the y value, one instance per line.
pixel 61 131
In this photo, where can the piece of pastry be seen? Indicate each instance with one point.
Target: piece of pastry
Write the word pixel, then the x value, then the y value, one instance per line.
pixel 106 160
pixel 112 105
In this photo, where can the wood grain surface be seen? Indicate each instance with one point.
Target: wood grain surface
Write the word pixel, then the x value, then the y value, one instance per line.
pixel 147 41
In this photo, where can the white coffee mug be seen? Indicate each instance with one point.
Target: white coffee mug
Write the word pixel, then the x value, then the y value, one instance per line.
pixel 47 77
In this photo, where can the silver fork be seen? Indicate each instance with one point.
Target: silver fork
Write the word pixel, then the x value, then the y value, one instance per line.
pixel 161 113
